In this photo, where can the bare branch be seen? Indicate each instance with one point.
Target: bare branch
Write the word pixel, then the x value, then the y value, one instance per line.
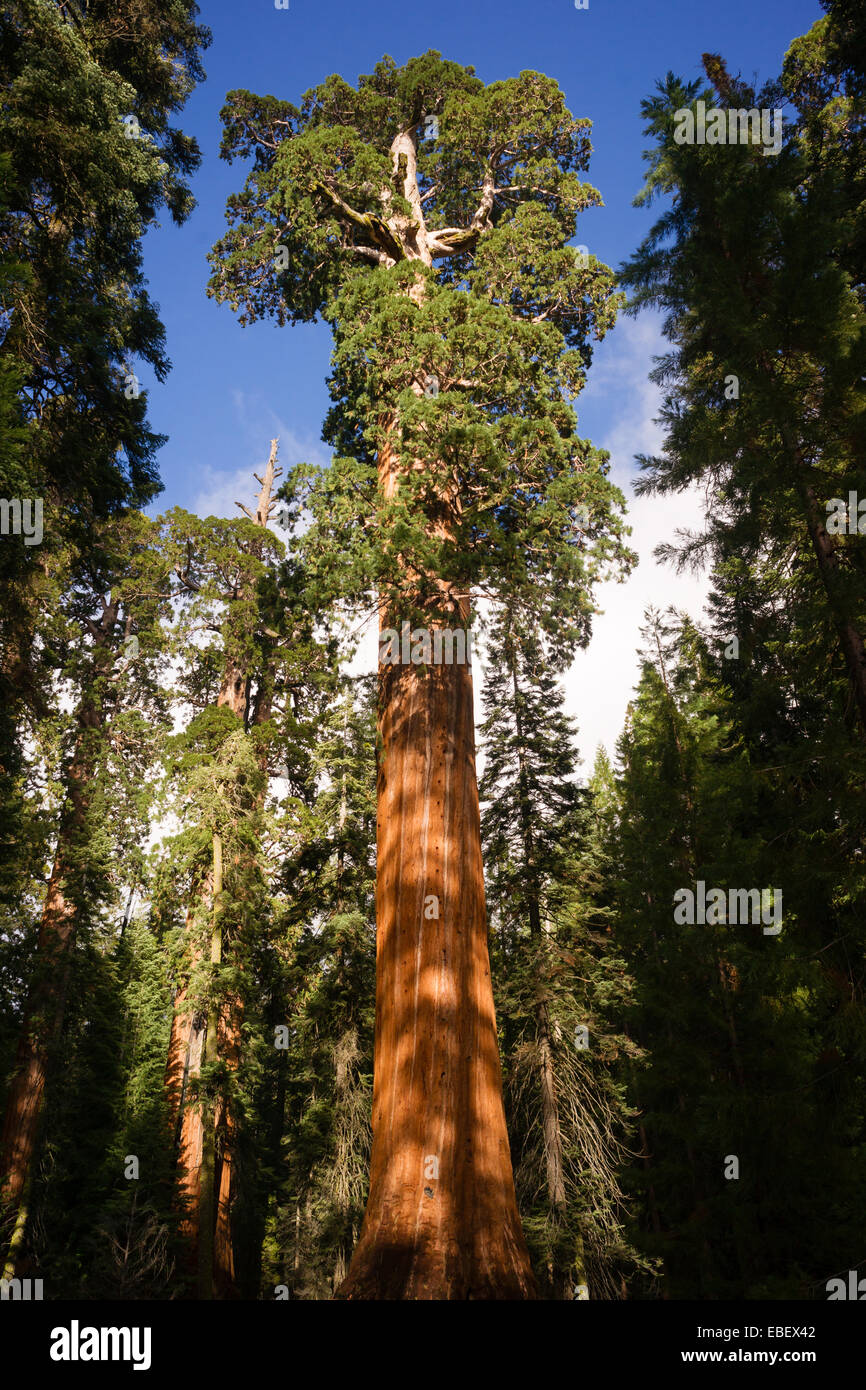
pixel 376 229
pixel 371 254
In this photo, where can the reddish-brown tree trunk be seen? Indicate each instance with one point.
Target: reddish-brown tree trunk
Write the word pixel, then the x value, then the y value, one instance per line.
pixel 43 1018
pixel 224 1260
pixel 177 1061
pixel 441 1219
pixel 188 1037
pixel 42 1024
pixel 183 1065
pixel 190 1139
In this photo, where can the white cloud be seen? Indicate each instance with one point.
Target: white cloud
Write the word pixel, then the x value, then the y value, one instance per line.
pixel 600 683
pixel 221 488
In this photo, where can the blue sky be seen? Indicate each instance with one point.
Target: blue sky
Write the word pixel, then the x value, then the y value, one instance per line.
pixel 232 389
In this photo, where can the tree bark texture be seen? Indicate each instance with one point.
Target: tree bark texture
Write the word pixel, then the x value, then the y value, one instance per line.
pixel 441 1219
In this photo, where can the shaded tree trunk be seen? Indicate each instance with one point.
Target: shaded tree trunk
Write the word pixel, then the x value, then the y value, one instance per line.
pixel 551 1128
pixel 207 1172
pixel 44 1012
pixel 190 1138
pixel 553 1158
pixel 179 1049
pixel 229 1041
pixel 42 1024
pixel 206 1147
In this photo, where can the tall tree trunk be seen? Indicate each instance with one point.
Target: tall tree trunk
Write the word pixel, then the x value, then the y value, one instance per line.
pixel 177 1061
pixel 553 1157
pixel 441 1219
pixel 205 1159
pixel 206 1203
pixel 190 1139
pixel 229 1041
pixel 44 1011
pixel 43 1021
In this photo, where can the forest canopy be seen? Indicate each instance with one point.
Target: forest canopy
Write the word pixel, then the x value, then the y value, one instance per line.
pixel 297 1000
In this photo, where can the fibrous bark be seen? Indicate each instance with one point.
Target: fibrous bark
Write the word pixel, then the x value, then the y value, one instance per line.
pixel 441 1219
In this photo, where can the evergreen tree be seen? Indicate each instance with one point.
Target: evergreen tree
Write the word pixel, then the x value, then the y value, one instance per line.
pixel 110 639
pixel 243 684
pixel 89 156
pixel 559 981
pixel 747 743
pixel 765 400
pixel 742 1116
pixel 462 322
pixel 329 984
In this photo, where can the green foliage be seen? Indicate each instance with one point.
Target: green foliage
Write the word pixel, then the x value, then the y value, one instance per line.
pixel 79 195
pixel 740 760
pixel 750 262
pixel 746 770
pixel 561 988
pixel 745 1029
pixel 323 1079
pixel 346 213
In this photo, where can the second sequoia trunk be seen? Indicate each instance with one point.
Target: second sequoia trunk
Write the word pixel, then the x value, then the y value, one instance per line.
pixel 206 1133
pixel 441 1219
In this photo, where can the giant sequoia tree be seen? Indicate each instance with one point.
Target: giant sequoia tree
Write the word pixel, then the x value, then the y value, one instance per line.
pixel 426 217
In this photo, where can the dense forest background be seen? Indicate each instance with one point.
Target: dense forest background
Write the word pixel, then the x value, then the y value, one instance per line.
pixel 188 758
